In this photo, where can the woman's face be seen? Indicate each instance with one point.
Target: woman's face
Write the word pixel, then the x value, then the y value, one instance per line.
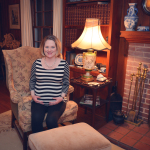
pixel 50 49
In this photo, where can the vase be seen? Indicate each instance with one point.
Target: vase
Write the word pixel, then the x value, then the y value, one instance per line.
pixel 130 21
pixel 89 59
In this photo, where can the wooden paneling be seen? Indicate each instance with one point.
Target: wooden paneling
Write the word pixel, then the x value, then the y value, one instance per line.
pixel 0 21
pixel 114 32
pixel 122 61
pixel 5 19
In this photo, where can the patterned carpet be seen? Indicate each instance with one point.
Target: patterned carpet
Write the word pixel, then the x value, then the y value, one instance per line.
pixel 5 119
pixel 9 139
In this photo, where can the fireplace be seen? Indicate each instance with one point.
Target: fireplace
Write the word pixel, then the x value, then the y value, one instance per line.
pixel 137 52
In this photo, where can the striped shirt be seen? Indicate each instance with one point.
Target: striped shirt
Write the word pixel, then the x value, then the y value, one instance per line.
pixel 49 83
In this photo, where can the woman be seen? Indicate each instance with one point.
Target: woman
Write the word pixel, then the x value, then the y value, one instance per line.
pixel 49 84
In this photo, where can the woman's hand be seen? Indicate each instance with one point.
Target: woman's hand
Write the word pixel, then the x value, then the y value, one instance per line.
pixel 58 100
pixel 35 98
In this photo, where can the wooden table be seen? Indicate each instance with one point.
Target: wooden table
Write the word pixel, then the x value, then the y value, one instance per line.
pixel 94 88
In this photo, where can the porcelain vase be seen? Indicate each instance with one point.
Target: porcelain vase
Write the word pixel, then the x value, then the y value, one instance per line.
pixel 89 59
pixel 131 20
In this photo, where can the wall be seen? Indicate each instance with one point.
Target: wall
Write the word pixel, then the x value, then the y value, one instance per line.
pixel 5 19
pixel 4 25
pixel 137 52
pixel 144 20
pixel 129 56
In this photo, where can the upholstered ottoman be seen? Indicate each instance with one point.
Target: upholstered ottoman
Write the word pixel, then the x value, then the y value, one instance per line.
pixel 80 136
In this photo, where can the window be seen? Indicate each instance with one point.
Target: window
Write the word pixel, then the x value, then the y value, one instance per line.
pixel 42 19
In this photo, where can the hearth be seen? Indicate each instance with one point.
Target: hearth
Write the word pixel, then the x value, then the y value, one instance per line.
pixel 127 136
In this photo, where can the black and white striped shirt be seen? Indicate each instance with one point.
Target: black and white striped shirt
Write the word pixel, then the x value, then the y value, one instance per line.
pixel 49 83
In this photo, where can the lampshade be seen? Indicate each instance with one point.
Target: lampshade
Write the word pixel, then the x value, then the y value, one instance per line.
pixel 91 37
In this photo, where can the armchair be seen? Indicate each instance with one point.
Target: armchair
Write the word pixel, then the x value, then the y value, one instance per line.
pixel 18 63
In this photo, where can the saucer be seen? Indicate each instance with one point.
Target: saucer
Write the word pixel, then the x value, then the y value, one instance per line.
pixel 93 83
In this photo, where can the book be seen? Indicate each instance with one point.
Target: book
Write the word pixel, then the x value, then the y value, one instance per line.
pixel 88 100
pixel 72 58
pixel 68 56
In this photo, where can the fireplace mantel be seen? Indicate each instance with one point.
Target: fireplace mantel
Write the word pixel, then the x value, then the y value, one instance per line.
pixel 136 36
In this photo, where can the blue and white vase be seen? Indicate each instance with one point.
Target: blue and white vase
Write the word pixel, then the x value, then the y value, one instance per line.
pixel 130 21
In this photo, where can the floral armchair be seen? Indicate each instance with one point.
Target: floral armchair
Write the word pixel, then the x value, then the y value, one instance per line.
pixel 18 63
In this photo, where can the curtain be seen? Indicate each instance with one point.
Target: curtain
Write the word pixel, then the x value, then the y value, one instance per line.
pixel 26 23
pixel 57 18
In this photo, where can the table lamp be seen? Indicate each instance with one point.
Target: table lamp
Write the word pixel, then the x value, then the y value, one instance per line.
pixel 90 39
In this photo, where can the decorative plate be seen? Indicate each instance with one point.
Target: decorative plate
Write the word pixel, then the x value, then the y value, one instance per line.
pixel 145 6
pixel 78 59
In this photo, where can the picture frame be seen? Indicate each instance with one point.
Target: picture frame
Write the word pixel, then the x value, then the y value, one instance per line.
pixel 14 16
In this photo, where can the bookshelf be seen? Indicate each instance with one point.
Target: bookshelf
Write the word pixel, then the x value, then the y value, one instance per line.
pixel 74 16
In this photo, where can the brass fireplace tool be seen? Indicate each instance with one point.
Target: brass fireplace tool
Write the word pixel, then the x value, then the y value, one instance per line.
pixel 133 115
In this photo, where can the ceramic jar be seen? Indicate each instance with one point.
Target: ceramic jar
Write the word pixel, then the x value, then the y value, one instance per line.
pixel 89 59
pixel 130 21
pixel 118 117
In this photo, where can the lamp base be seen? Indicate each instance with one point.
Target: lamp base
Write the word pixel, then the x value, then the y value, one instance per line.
pixel 87 77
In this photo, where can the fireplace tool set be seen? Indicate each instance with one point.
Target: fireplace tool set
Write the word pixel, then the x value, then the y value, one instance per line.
pixel 133 115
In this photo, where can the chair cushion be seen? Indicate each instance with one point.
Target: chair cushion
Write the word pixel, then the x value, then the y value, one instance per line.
pixel 69 114
pixel 80 136
pixel 22 59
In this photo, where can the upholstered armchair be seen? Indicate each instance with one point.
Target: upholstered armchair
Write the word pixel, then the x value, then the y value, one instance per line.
pixel 18 63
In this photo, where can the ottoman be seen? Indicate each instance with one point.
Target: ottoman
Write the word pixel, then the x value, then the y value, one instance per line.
pixel 80 136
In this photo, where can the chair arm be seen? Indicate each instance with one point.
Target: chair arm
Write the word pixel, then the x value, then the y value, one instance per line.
pixel 25 104
pixel 27 99
pixel 70 90
pixel 15 97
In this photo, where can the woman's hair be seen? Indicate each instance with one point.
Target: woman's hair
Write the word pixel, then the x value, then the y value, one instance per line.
pixel 57 43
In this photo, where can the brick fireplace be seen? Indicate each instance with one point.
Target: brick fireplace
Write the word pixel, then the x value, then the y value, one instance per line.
pixel 137 52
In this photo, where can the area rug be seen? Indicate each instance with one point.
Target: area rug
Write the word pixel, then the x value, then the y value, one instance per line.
pixel 9 139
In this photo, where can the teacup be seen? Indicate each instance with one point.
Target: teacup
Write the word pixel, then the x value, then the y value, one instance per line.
pixel 143 28
pixel 103 69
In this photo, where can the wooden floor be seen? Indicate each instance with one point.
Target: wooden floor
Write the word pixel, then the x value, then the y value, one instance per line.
pixel 4 97
pixel 82 117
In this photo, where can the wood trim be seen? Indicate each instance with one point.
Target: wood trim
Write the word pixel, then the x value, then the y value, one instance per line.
pixel 86 2
pixel 136 36
pixel 81 27
pixel 63 30
pixel 114 37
